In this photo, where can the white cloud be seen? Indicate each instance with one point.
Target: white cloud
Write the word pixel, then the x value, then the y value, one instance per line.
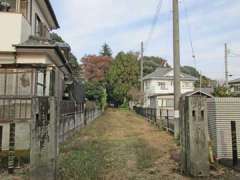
pixel 86 25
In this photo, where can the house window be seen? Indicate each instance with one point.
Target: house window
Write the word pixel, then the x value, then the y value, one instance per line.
pixel 16 82
pixel 170 102
pixel 41 30
pixel 1 136
pixel 166 102
pixel 38 25
pixel 162 85
pixel 187 84
pixel 41 83
pixel 24 4
pixel 147 84
pixel 237 88
pixel 45 83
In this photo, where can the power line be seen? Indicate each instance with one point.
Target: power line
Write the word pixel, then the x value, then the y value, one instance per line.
pixel 234 54
pixel 189 31
pixel 154 22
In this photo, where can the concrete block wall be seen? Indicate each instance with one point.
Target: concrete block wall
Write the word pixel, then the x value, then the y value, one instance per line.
pixel 194 136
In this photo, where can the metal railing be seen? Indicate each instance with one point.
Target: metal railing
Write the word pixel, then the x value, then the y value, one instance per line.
pixel 14 109
pixel 162 117
pixel 167 118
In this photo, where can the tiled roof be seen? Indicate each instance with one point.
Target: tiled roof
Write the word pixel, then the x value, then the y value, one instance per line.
pixel 160 73
pixel 41 42
pixel 35 42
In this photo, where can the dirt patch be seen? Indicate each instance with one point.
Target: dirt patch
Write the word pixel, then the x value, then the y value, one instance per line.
pixel 128 148
pixel 122 146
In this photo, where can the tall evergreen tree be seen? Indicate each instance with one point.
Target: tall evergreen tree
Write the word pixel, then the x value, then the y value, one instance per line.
pixel 122 76
pixel 106 50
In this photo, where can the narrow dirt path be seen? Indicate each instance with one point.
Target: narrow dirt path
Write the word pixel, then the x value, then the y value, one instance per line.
pixel 120 146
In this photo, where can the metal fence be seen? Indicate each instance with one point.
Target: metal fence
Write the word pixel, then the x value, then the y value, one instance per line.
pixel 14 109
pixel 160 117
pixel 167 118
pixel 149 113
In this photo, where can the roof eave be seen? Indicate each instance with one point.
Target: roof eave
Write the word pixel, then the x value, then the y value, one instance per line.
pixel 56 48
pixel 50 8
pixel 170 78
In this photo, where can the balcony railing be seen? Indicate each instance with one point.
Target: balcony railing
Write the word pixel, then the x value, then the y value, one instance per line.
pixel 18 6
pixel 8 6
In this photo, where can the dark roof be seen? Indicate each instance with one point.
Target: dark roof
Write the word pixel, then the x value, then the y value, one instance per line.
pixel 49 6
pixel 235 81
pixel 160 74
pixel 38 43
pixel 162 94
pixel 197 92
pixel 206 90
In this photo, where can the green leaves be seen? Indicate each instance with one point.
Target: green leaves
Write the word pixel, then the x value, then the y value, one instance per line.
pixel 106 50
pixel 122 76
pixel 222 91
pixel 95 91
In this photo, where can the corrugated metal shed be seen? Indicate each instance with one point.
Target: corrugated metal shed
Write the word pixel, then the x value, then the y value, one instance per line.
pixel 221 111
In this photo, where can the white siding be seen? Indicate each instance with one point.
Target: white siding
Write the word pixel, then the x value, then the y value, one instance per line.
pixel 14 30
pixel 154 88
pixel 222 112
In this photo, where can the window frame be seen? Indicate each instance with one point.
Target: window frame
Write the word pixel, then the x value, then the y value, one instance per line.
pixel 47 89
pixel 27 8
pixel 37 25
pixel 162 85
pixel 1 137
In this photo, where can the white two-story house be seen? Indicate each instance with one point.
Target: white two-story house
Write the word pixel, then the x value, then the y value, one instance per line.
pixel 235 86
pixel 159 88
pixel 31 65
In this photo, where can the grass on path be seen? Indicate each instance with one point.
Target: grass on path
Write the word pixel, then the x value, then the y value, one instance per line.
pixel 122 146
pixel 118 146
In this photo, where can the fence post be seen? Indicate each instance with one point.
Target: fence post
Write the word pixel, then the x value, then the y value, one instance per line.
pixel 44 138
pixel 159 118
pixel 168 126
pixel 85 117
pixel 194 136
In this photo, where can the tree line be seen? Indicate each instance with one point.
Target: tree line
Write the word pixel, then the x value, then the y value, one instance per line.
pixel 116 80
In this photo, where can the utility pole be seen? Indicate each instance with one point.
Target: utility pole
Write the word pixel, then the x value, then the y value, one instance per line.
pixel 142 51
pixel 176 55
pixel 226 65
pixel 200 85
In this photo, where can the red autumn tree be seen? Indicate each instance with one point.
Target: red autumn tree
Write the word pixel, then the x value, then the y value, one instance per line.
pixel 95 67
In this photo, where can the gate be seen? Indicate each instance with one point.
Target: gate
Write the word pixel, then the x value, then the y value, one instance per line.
pixel 13 110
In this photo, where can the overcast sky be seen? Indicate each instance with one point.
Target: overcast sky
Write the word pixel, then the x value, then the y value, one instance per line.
pixel 123 24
